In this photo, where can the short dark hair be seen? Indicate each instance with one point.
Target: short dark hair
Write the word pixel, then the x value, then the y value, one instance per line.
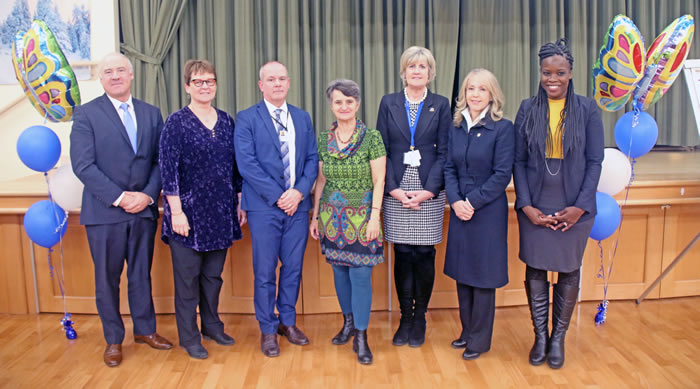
pixel 194 66
pixel 347 87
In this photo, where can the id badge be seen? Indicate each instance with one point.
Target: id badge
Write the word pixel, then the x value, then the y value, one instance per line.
pixel 412 158
pixel 284 136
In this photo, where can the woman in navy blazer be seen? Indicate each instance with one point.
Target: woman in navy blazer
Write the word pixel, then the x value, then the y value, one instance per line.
pixel 477 172
pixel 558 156
pixel 414 125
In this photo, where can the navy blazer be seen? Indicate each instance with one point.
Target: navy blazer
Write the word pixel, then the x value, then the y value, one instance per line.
pixel 479 163
pixel 430 139
pixel 260 161
pixel 103 159
pixel 581 165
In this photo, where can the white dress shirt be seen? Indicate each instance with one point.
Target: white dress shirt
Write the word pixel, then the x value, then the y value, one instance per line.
pixel 286 120
pixel 468 117
pixel 116 103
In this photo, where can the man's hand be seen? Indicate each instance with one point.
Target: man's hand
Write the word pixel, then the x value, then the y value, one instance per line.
pixel 135 202
pixel 289 201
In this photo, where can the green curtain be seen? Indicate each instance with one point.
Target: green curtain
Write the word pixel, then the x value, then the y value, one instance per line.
pixel 146 40
pixel 320 40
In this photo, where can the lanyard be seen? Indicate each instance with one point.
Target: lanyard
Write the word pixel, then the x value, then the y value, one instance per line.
pixel 415 123
pixel 283 129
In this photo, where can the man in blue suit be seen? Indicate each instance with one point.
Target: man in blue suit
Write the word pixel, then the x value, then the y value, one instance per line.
pixel 114 152
pixel 276 154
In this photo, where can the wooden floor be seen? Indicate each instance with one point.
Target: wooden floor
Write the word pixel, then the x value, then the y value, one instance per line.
pixel 653 345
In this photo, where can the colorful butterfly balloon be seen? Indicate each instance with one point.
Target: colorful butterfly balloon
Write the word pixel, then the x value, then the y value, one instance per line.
pixel 664 59
pixel 44 73
pixel 620 64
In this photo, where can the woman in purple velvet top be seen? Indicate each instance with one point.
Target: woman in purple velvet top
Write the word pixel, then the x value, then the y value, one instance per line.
pixel 202 215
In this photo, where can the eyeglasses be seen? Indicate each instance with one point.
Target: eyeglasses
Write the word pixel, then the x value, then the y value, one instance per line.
pixel 198 83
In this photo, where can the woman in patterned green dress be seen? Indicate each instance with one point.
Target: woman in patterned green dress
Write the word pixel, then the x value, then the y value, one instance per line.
pixel 347 202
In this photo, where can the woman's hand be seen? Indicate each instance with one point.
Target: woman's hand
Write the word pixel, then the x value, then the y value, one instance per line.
pixel 313 228
pixel 538 218
pixel 180 224
pixel 242 216
pixel 399 194
pixel 463 210
pixel 373 228
pixel 567 217
pixel 416 197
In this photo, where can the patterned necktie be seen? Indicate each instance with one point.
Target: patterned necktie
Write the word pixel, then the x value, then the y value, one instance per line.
pixel 129 125
pixel 284 149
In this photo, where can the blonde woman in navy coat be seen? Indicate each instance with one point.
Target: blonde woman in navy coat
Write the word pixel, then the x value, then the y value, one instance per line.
pixel 477 171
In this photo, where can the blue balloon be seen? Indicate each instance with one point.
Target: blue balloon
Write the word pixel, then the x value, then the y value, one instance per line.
pixel 635 141
pixel 39 148
pixel 45 223
pixel 608 217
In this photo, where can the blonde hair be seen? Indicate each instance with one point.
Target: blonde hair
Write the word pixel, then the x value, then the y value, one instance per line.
pixel 496 95
pixel 414 54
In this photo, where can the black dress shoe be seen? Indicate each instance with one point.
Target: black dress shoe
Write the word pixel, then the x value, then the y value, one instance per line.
pixel 469 355
pixel 269 346
pixel 197 351
pixel 459 343
pixel 221 338
pixel 293 334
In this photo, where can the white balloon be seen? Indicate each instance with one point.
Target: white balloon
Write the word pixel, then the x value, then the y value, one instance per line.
pixel 616 172
pixel 65 188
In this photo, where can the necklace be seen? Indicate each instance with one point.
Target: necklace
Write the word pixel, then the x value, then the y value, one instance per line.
pixel 337 135
pixel 206 120
pixel 549 171
pixel 561 161
pixel 405 93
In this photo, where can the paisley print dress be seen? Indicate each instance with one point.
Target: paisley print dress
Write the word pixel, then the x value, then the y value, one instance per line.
pixel 346 202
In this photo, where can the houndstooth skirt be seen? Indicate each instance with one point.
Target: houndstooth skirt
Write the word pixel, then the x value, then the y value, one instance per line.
pixel 409 226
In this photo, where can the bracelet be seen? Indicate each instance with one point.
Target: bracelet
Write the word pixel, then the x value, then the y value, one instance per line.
pixel 375 208
pixel 176 214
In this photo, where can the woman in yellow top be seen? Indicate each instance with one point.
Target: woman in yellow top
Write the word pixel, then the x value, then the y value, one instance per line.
pixel 558 156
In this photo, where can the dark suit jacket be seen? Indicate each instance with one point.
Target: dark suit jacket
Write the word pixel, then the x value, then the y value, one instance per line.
pixel 430 139
pixel 260 162
pixel 581 165
pixel 480 162
pixel 104 161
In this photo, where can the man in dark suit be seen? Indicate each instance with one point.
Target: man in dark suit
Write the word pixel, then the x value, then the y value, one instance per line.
pixel 114 152
pixel 277 157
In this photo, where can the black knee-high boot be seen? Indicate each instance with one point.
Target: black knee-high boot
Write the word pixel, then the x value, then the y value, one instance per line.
pixel 424 274
pixel 565 296
pixel 403 278
pixel 538 300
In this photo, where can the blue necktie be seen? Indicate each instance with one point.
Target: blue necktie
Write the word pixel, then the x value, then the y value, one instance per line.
pixel 129 125
pixel 284 150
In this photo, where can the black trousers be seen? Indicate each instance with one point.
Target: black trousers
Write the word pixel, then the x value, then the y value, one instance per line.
pixel 111 245
pixel 477 309
pixel 198 281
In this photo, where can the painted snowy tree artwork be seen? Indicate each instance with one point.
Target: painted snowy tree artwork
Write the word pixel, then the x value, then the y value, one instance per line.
pixel 69 20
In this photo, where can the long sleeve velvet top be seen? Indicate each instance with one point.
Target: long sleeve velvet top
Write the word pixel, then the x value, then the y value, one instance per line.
pixel 199 166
